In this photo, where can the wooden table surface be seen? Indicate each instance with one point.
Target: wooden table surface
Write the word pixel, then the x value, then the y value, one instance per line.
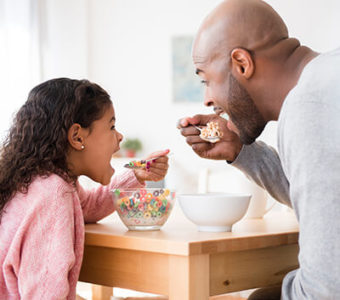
pixel 184 264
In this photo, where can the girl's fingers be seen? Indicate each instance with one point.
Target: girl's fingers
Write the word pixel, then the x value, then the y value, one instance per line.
pixel 156 154
pixel 159 172
pixel 159 165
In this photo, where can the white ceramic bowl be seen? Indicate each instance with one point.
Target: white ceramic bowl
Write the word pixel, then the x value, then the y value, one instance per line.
pixel 214 212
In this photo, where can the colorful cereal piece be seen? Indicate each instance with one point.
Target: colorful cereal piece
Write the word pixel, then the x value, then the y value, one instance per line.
pixel 139 214
pixel 156 193
pixel 126 201
pixel 136 195
pixel 161 197
pixel 166 192
pixel 131 202
pixel 147 215
pixel 119 202
pixel 159 203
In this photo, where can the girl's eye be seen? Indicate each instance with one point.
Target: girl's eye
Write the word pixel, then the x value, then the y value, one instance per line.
pixel 204 82
pixel 113 127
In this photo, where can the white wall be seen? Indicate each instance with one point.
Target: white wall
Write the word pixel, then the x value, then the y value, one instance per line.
pixel 124 45
pixel 65 38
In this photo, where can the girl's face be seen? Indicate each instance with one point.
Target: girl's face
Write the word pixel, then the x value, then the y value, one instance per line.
pixel 99 144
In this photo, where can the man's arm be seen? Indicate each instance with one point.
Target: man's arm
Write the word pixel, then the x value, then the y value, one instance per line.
pixel 261 164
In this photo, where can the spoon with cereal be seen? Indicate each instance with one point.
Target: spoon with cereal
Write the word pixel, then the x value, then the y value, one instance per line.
pixel 141 164
pixel 211 133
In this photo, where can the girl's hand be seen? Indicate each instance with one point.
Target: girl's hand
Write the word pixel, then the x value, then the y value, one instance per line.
pixel 157 170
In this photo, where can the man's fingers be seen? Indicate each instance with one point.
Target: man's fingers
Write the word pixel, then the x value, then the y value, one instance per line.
pixel 195 120
pixel 190 130
pixel 202 119
pixel 201 148
pixel 184 122
pixel 194 139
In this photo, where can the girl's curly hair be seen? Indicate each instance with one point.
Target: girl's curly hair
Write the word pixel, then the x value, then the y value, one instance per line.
pixel 37 142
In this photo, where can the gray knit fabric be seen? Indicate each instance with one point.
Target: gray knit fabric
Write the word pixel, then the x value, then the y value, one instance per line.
pixel 305 174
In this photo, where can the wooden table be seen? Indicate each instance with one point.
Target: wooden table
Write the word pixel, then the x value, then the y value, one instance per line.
pixel 184 264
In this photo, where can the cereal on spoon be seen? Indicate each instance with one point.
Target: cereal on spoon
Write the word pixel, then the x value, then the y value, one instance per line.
pixel 211 132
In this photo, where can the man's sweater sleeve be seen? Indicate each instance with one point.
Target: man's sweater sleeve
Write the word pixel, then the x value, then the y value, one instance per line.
pixel 261 164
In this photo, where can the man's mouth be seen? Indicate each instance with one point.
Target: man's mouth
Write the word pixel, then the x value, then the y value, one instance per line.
pixel 218 110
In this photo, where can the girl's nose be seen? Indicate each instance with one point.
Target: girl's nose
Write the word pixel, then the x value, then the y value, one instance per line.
pixel 120 137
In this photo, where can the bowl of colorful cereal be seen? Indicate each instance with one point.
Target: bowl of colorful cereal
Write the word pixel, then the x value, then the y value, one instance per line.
pixel 143 208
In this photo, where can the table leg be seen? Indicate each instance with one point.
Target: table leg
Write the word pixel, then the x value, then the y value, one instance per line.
pixel 189 277
pixel 100 292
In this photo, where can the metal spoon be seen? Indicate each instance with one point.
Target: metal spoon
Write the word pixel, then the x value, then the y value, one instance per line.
pixel 143 164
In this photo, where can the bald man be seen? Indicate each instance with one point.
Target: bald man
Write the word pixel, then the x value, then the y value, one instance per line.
pixel 256 73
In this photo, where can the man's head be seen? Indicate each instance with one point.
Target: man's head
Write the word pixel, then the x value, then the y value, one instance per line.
pixel 229 53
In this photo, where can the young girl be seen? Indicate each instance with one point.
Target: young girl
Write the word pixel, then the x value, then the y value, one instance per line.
pixel 65 129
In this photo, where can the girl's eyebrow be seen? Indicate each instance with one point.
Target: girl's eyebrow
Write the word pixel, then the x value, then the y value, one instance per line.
pixel 112 119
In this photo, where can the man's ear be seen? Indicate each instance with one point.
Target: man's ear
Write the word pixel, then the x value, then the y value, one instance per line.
pixel 75 137
pixel 242 63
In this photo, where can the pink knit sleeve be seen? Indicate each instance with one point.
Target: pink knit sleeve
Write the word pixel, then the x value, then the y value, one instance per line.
pixel 47 248
pixel 97 203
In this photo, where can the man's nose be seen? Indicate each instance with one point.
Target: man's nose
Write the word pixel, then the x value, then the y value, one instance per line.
pixel 208 100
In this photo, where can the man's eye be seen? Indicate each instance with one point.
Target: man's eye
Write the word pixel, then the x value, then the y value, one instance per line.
pixel 204 82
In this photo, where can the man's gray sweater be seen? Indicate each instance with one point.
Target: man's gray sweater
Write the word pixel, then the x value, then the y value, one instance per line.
pixel 305 174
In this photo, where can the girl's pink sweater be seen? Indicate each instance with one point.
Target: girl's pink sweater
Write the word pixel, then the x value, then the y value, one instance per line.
pixel 42 236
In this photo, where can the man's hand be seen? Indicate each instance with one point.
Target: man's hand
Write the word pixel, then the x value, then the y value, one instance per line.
pixel 227 148
pixel 158 167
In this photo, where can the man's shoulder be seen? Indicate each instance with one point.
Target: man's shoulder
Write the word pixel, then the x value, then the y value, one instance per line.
pixel 319 83
pixel 320 73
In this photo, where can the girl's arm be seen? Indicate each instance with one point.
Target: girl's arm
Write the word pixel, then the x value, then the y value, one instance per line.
pixel 97 203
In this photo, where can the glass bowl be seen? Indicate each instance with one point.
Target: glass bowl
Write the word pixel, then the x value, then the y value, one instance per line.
pixel 143 208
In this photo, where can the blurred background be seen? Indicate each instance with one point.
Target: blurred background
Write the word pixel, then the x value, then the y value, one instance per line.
pixel 133 49
pixel 139 51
